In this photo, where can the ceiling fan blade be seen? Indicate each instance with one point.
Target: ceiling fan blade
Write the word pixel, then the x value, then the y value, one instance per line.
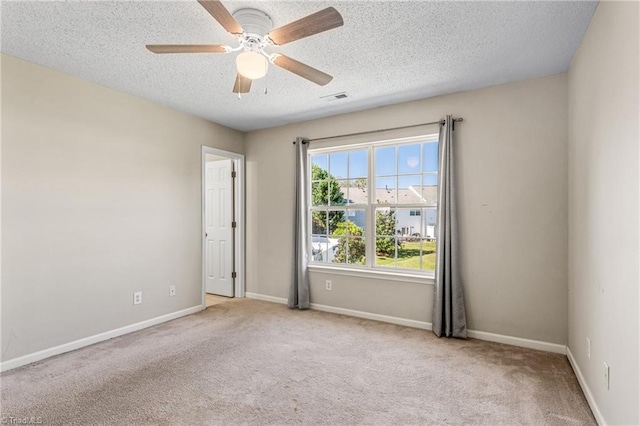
pixel 186 48
pixel 222 15
pixel 243 84
pixel 315 23
pixel 303 70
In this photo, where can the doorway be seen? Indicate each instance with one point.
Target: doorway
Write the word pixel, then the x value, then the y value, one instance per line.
pixel 222 226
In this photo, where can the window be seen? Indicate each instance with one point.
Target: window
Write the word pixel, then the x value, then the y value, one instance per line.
pixel 374 206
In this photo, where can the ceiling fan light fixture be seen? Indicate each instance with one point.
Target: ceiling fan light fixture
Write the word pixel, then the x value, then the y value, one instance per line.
pixel 251 65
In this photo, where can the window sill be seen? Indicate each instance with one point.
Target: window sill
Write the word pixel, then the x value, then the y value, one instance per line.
pixel 406 277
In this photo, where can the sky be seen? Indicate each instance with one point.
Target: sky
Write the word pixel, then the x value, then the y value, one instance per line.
pixel 407 160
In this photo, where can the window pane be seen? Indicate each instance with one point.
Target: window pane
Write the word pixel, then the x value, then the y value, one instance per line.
pixel 338 165
pixel 356 222
pixel 339 192
pixel 430 179
pixel 430 189
pixel 336 219
pixel 430 157
pixel 320 162
pixel 385 192
pixel 408 224
pixel 319 193
pixel 356 251
pixel 429 223
pixel 409 253
pixel 339 249
pixel 358 193
pixel 409 159
pixel 318 223
pixel 386 251
pixel 385 160
pixel 319 169
pixel 409 189
pixel 385 222
pixel 385 237
pixel 347 227
pixel 358 164
pixel 428 255
pixel 320 248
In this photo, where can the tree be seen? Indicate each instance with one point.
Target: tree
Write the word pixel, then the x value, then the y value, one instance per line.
pixel 325 192
pixel 349 249
pixel 386 225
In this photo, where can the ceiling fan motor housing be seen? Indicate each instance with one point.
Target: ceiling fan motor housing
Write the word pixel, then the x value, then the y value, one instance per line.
pixel 255 22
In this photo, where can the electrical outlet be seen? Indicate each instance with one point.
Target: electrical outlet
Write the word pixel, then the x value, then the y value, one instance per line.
pixel 607 375
pixel 588 348
pixel 172 290
pixel 328 285
pixel 137 298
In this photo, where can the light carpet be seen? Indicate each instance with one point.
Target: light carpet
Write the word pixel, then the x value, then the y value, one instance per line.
pixel 253 362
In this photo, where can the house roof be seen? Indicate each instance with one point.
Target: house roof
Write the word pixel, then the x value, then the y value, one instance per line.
pixel 421 195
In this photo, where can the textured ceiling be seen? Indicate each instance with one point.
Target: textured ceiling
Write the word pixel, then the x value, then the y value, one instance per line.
pixel 387 52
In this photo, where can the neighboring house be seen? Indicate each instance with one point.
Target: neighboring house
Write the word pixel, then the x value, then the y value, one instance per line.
pixel 410 221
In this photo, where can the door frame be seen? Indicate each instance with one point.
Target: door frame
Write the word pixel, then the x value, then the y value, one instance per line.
pixel 238 207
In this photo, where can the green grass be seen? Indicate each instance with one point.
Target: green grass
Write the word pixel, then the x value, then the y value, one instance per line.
pixel 409 256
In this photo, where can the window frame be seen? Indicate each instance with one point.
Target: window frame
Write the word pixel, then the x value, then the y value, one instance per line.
pixel 369 268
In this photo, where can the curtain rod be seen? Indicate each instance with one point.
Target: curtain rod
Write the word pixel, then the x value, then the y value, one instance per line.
pixel 380 130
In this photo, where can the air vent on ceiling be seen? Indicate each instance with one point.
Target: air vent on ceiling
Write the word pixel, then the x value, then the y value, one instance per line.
pixel 335 96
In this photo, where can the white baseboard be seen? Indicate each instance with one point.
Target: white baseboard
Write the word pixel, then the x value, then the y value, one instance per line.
pixel 480 335
pixel 348 312
pixel 266 298
pixel 376 317
pixel 585 389
pixel 518 341
pixel 80 343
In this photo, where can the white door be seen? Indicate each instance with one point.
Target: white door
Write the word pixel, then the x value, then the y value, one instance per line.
pixel 218 227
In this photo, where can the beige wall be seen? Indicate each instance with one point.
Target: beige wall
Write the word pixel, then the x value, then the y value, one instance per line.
pixel 603 209
pixel 100 198
pixel 512 163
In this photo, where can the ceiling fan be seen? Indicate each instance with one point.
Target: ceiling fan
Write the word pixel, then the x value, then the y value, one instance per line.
pixel 252 28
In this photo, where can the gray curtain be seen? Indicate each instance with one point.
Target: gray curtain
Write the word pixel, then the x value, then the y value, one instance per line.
pixel 449 318
pixel 299 292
